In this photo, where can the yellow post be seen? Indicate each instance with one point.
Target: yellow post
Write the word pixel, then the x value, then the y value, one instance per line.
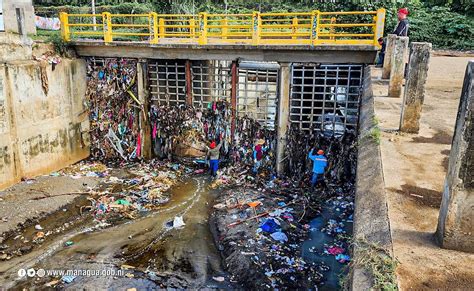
pixel 65 33
pixel 162 28
pixel 332 30
pixel 224 28
pixel 192 29
pixel 379 24
pixel 107 22
pixel 315 27
pixel 256 25
pixel 154 27
pixel 294 28
pixel 202 28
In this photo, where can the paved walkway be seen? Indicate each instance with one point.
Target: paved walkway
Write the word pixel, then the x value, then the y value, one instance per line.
pixel 414 171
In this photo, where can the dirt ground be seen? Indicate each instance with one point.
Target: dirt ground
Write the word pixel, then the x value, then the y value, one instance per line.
pixel 414 168
pixel 23 202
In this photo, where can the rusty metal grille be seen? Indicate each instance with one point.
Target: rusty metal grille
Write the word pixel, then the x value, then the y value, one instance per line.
pixel 211 81
pixel 326 97
pixel 257 92
pixel 167 81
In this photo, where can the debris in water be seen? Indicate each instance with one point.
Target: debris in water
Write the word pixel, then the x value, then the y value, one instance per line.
pixel 218 279
pixel 68 279
pixel 178 222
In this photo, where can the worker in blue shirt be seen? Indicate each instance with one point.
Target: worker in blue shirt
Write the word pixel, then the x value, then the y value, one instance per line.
pixel 319 165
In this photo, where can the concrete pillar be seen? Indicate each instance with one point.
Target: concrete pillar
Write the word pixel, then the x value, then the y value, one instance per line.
pixel 283 115
pixel 415 87
pixel 456 218
pixel 387 62
pixel 397 71
pixel 145 127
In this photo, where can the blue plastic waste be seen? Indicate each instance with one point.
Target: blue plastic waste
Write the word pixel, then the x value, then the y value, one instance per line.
pixel 279 236
pixel 269 226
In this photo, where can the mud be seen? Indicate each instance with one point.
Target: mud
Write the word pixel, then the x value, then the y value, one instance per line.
pixel 26 238
pixel 148 252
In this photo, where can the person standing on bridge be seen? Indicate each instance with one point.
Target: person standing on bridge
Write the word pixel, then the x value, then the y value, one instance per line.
pixel 403 25
pixel 319 165
pixel 213 156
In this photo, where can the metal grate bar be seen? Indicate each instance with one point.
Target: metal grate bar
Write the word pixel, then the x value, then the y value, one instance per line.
pixel 167 80
pixel 257 94
pixel 211 82
pixel 326 97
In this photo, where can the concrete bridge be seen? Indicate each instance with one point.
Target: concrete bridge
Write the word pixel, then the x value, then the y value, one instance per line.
pixel 306 68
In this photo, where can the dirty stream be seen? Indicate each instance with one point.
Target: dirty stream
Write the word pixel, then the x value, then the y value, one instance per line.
pixel 313 248
pixel 161 256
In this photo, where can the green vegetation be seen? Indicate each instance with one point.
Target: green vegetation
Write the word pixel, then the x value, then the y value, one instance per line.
pixel 375 131
pixel 54 37
pixel 378 262
pixel 444 23
pixel 375 134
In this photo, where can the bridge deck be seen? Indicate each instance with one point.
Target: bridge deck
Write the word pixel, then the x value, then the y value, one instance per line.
pixel 310 29
pixel 363 54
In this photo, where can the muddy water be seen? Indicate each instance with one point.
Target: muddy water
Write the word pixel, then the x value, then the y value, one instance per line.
pixel 318 240
pixel 184 257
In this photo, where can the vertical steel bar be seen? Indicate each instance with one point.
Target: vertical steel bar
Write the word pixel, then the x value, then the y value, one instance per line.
pixel 189 83
pixel 324 98
pixel 233 95
pixel 347 96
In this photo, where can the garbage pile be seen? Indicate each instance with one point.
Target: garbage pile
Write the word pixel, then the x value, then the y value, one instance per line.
pixel 113 109
pixel 260 235
pixel 262 223
pixel 186 131
pixel 128 192
pixel 342 154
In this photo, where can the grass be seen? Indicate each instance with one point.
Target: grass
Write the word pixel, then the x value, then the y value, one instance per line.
pixel 375 131
pixel 45 35
pixel 377 262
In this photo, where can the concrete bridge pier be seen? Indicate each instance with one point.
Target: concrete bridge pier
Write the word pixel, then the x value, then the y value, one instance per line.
pixel 456 218
pixel 415 87
pixel 145 129
pixel 397 70
pixel 387 62
pixel 283 115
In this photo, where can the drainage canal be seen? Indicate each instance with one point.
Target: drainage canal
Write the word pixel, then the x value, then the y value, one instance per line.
pixel 267 229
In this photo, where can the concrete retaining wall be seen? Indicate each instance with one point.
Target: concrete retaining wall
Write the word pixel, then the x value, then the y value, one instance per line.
pixel 43 122
pixel 371 222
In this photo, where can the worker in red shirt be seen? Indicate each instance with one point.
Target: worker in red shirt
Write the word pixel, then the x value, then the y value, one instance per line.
pixel 403 25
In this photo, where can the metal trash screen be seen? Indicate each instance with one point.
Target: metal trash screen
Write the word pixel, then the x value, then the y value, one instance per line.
pixel 326 97
pixel 211 81
pixel 257 92
pixel 167 81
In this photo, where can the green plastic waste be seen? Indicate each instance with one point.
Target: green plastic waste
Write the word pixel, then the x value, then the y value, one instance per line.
pixel 122 202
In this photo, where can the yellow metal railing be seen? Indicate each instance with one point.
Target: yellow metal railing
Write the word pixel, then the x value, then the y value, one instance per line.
pixel 298 28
